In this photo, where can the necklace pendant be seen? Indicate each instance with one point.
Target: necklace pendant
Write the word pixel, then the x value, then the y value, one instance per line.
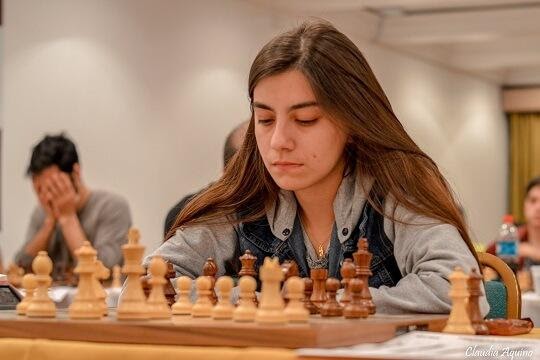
pixel 320 251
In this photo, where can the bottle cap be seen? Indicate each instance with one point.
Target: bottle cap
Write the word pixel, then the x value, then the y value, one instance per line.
pixel 508 219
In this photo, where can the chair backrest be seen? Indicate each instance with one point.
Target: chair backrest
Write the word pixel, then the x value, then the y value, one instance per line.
pixel 513 293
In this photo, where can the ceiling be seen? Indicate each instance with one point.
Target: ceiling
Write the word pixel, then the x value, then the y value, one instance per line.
pixel 497 40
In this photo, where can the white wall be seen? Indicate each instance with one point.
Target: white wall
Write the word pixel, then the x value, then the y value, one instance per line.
pixel 149 89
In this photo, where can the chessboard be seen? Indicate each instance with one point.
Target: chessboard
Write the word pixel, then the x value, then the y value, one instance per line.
pixel 318 332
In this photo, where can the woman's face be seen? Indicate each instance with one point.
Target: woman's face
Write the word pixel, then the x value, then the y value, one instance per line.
pixel 299 145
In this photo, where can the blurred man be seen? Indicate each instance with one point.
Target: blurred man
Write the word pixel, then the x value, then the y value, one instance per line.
pixel 69 213
pixel 232 145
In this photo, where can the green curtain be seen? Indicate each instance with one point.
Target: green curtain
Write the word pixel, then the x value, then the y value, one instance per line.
pixel 524 157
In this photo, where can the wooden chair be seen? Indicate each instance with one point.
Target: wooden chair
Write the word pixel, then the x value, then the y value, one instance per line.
pixel 508 278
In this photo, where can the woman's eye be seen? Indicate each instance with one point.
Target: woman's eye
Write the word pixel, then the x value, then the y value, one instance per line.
pixel 306 121
pixel 265 121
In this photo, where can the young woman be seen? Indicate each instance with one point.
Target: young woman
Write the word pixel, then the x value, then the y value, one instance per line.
pixel 325 161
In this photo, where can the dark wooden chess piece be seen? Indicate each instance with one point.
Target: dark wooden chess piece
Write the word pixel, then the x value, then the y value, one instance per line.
pixel 319 276
pixel 210 270
pixel 356 308
pixel 290 269
pixel 248 264
pixel 331 307
pixel 308 290
pixel 473 306
pixel 348 272
pixel 170 293
pixel 362 260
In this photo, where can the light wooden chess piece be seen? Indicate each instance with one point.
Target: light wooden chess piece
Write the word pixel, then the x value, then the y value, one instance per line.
pixel 132 302
pixel 271 304
pixel 183 305
pixel 295 310
pixel 116 277
pixel 362 260
pixel 224 308
pixel 86 304
pixel 356 308
pixel 157 305
pixel 29 284
pixel 458 321
pixel 203 304
pixel 41 304
pixel 101 273
pixel 473 305
pixel 247 308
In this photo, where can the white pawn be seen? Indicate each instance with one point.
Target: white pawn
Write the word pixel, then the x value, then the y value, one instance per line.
pixel 29 284
pixel 224 308
pixel 203 305
pixel 246 310
pixel 183 305
pixel 458 321
pixel 41 304
pixel 157 303
pixel 295 310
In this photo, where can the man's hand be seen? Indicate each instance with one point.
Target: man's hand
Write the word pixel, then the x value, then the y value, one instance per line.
pixel 62 195
pixel 46 205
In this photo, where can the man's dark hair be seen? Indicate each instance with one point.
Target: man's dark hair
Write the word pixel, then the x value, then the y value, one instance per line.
pixel 53 150
pixel 532 183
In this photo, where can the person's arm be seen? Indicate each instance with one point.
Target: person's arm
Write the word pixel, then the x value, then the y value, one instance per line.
pixel 189 248
pixel 528 250
pixel 38 235
pixel 64 199
pixel 426 253
pixel 113 225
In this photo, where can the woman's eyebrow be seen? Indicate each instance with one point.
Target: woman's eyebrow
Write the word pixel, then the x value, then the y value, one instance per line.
pixel 301 105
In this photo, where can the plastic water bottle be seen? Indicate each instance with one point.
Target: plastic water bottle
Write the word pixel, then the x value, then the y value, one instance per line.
pixel 508 242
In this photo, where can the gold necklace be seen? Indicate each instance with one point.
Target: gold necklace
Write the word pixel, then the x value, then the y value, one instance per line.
pixel 320 249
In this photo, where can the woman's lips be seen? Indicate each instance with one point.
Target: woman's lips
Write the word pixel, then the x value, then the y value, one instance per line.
pixel 286 166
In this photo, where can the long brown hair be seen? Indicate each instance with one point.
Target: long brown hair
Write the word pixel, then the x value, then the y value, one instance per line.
pixel 347 90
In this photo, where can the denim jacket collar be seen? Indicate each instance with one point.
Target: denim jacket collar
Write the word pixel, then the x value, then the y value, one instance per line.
pixel 348 205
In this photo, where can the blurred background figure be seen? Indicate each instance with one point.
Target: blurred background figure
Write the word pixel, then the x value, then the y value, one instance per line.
pixel 69 212
pixel 232 145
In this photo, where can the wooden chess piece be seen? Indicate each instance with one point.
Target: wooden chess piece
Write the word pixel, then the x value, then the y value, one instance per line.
pixel 14 275
pixel 248 264
pixel 86 304
pixel 183 305
pixel 100 273
pixel 170 293
pixel 210 270
pixel 308 290
pixel 331 307
pixel 29 284
pixel 116 277
pixel 348 272
pixel 203 304
pixel 458 321
pixel 132 303
pixel 247 308
pixel 362 260
pixel 290 269
pixel 41 304
pixel 473 306
pixel 223 310
pixel 157 305
pixel 271 304
pixel 356 308
pixel 295 310
pixel 319 276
